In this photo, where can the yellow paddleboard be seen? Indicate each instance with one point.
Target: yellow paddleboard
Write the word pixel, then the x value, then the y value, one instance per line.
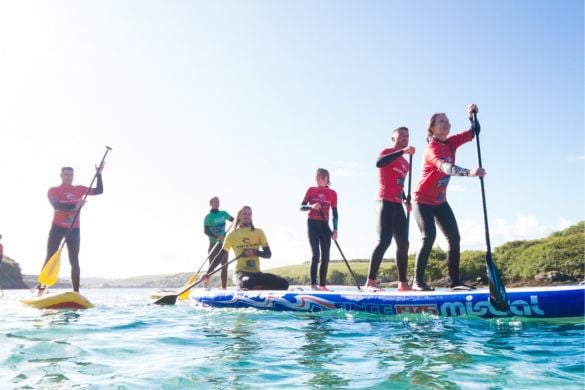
pixel 64 300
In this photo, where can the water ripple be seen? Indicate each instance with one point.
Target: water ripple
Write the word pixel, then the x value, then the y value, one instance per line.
pixel 125 343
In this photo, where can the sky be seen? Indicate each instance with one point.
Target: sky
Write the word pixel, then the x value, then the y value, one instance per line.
pixel 244 100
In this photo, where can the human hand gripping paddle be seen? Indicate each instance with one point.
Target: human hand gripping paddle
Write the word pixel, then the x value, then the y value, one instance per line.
pixel 340 251
pixel 193 277
pixel 171 299
pixel 50 271
pixel 498 296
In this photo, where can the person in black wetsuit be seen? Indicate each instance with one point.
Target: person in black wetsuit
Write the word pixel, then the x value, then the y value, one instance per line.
pixel 66 200
pixel 250 244
pixel 430 196
pixel 318 201
pixel 214 228
pixel 392 170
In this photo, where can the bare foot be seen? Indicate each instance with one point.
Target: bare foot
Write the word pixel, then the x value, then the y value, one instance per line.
pixel 403 286
pixel 323 288
pixel 371 285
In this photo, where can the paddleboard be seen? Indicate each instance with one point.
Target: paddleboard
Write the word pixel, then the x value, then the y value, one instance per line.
pixel 535 302
pixel 63 300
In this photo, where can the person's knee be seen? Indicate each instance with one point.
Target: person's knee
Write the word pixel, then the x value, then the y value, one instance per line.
pixel 384 243
pixel 454 240
pixel 402 243
pixel 247 282
pixel 428 239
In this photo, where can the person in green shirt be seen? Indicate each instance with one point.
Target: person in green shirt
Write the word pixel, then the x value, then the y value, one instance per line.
pixel 214 228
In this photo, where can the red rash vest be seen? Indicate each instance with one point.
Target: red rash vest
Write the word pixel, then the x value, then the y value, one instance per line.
pixel 324 196
pixel 391 178
pixel 432 187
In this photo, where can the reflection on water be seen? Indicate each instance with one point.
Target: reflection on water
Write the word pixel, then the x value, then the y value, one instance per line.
pixel 318 352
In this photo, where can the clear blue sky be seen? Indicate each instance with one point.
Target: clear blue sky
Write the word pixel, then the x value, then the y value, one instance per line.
pixel 245 99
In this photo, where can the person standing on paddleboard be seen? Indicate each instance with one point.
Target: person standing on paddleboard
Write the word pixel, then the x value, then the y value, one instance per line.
pixel 392 171
pixel 430 196
pixel 250 243
pixel 66 200
pixel 214 228
pixel 318 201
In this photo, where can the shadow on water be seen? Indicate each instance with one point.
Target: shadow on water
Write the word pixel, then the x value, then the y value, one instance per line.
pixel 318 353
pixel 239 352
pixel 60 317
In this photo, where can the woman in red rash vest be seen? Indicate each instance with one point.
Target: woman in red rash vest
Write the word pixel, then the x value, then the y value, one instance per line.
pixel 318 201
pixel 430 196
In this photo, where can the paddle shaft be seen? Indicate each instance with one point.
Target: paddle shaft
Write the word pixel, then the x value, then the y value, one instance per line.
pixel 498 295
pixel 189 287
pixel 340 251
pixel 84 197
pixel 172 298
pixel 484 203
pixel 408 197
pixel 211 251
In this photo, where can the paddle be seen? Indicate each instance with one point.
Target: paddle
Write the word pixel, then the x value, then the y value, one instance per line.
pixel 191 279
pixel 340 251
pixel 50 271
pixel 498 296
pixel 171 299
pixel 408 197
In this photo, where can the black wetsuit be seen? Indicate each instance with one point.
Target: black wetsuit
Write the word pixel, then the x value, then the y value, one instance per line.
pixel 426 215
pixel 259 281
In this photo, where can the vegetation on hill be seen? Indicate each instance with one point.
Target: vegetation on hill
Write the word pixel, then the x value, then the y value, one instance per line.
pixel 558 258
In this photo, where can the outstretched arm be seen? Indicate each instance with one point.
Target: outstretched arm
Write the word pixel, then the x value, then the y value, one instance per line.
pixel 387 159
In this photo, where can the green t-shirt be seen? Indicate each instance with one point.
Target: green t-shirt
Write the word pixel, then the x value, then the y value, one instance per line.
pixel 216 222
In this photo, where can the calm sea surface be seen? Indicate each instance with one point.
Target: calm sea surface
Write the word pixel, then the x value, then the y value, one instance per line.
pixel 126 343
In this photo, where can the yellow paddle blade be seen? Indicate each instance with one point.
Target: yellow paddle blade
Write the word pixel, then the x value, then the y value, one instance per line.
pixel 50 271
pixel 185 295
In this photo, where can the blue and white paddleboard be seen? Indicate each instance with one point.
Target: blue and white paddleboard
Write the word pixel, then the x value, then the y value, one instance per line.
pixel 535 302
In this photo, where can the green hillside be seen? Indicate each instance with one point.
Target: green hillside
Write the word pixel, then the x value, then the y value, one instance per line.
pixel 558 258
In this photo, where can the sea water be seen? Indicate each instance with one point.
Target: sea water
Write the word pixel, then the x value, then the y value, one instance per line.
pixel 125 342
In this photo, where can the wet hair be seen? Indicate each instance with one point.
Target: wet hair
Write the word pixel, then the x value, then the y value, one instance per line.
pixel 66 169
pixel 240 213
pixel 322 172
pixel 431 123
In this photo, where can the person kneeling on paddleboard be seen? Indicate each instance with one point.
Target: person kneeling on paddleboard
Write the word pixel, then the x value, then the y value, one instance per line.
pixel 252 243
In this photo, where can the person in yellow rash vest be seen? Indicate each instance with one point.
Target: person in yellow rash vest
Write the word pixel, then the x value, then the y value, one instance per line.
pixel 252 243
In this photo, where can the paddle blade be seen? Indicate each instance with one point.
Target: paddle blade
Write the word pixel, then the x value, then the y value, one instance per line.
pixel 186 294
pixel 498 295
pixel 50 271
pixel 170 299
